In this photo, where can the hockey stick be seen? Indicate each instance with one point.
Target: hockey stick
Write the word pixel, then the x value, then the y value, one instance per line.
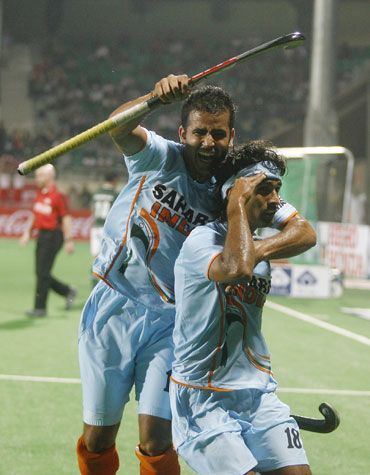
pixel 288 41
pixel 330 422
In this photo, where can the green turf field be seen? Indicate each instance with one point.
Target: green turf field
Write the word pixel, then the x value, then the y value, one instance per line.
pixel 41 421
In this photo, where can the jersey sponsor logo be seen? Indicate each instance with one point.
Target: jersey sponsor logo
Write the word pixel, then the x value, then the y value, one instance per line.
pixel 171 207
pixel 253 293
pixel 42 208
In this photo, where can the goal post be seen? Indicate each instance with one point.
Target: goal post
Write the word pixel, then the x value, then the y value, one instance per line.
pixel 318 182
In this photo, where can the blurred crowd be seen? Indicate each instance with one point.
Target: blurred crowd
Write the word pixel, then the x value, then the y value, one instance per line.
pixel 76 85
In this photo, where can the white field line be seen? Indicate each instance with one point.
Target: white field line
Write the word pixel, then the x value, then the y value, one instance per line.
pixel 337 392
pixel 319 323
pixel 42 379
pixel 39 379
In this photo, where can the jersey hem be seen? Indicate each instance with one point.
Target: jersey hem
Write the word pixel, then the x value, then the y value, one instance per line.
pixel 213 388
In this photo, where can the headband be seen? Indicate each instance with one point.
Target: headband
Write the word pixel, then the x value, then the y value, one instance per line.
pixel 269 168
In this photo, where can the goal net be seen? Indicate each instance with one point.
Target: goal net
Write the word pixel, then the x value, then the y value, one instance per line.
pixel 318 182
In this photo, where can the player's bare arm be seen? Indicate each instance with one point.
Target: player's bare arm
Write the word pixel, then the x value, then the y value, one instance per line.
pixel 296 237
pixel 130 137
pixel 67 233
pixel 23 240
pixel 237 260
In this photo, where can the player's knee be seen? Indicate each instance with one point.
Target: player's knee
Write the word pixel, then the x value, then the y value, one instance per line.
pixel 99 439
pixel 95 445
pixel 155 435
pixel 155 446
pixel 295 470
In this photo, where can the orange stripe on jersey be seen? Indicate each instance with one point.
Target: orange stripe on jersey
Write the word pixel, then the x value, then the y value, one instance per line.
pixel 155 231
pixel 235 303
pixel 257 365
pixel 286 220
pixel 209 267
pixel 220 338
pixel 267 358
pixel 128 219
pixel 201 387
pixel 104 280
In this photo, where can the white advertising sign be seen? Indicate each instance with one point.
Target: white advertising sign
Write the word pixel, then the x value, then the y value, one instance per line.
pixel 295 280
pixel 310 281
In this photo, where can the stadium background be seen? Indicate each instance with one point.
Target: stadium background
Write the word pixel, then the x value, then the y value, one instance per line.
pixel 65 65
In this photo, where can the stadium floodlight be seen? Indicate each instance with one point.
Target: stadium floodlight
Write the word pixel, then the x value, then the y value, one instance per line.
pixel 307 153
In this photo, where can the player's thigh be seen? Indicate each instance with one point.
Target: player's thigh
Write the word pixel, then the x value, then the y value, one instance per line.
pixel 275 440
pixel 206 433
pixel 153 369
pixel 109 333
pixel 48 245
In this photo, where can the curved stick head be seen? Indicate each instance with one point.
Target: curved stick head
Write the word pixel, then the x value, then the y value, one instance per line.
pixel 323 426
pixel 332 419
pixel 295 39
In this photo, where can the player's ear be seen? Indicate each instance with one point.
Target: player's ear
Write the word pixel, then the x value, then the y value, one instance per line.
pixel 182 134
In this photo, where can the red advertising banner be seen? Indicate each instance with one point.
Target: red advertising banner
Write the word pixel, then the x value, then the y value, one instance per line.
pixel 346 247
pixel 13 222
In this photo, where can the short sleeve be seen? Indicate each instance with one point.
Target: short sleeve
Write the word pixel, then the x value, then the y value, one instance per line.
pixel 151 157
pixel 62 204
pixel 199 251
pixel 285 212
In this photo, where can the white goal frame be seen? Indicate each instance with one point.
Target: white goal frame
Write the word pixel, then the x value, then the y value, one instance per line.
pixel 304 153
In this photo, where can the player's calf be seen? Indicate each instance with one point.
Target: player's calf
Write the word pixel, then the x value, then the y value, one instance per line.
pixel 164 464
pixel 90 463
pixel 291 470
pixel 155 451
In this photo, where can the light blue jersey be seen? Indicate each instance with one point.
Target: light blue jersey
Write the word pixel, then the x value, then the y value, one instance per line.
pixel 217 337
pixel 151 218
pixel 149 222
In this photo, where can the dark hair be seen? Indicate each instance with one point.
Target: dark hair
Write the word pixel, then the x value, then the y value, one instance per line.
pixel 210 99
pixel 252 152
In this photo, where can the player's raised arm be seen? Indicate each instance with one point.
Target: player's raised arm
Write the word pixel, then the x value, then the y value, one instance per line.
pixel 237 260
pixel 130 137
pixel 296 237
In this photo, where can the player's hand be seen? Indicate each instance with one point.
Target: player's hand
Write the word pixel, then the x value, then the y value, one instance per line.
pixel 23 240
pixel 172 88
pixel 69 247
pixel 244 187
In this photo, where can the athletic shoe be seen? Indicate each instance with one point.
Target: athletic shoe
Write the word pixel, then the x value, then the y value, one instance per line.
pixel 70 298
pixel 36 313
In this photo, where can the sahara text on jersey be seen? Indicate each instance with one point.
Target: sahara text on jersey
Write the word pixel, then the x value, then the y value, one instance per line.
pixel 184 218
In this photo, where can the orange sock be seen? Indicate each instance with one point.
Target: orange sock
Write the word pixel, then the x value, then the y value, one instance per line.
pixel 106 463
pixel 164 464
